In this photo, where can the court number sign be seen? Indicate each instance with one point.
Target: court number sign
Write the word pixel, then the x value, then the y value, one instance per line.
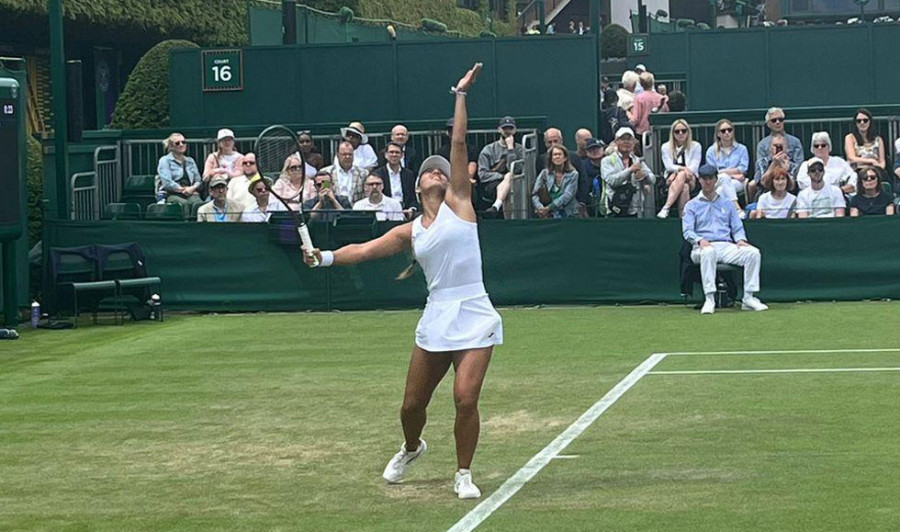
pixel 638 44
pixel 223 70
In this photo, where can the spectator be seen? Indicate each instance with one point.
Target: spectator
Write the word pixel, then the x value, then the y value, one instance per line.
pixel 261 209
pixel 363 154
pixel 398 182
pixel 219 209
pixel 224 161
pixel 864 146
pixel 837 171
pixel 385 207
pixel 495 168
pixel 730 158
pixel 777 202
pixel 308 150
pixel 554 190
pixel 612 117
pixel 552 137
pixel 716 235
pixel 626 93
pixel 646 102
pixel 639 70
pixel 291 183
pixel 775 123
pixel 178 173
pixel 348 176
pixel 677 102
pixel 776 159
pixel 820 200
pixel 681 157
pixel 471 153
pixel 579 159
pixel 897 161
pixel 871 199
pixel 628 189
pixel 409 157
pixel 592 165
pixel 238 187
pixel 326 202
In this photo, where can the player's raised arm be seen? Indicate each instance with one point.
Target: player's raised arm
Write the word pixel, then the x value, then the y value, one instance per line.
pixel 460 190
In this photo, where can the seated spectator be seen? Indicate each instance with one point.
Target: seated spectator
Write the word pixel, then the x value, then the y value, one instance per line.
pixel 612 118
pixel 554 190
pixel 385 207
pixel 677 102
pixel 409 157
pixel 776 159
pixel 871 199
pixel 238 186
pixel 398 182
pixel 495 168
pixel 777 202
pixel 820 200
pixel 471 154
pixel 681 157
pixel 261 209
pixel 552 137
pixel 178 173
pixel 308 149
pixel 326 199
pixel 579 157
pixel 363 154
pixel 775 122
pixel 648 101
pixel 729 157
pixel 628 189
pixel 837 171
pixel 897 164
pixel 291 182
pixel 863 146
pixel 225 160
pixel 626 93
pixel 593 150
pixel 348 176
pixel 219 209
pixel 716 234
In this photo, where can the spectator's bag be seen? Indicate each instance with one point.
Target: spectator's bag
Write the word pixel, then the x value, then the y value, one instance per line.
pixel 620 200
pixel 543 195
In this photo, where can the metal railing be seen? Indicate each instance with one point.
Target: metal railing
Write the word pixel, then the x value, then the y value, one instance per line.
pixel 85 197
pixel 109 174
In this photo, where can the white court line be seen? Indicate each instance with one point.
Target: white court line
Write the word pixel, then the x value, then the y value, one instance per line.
pixel 797 370
pixel 785 352
pixel 529 470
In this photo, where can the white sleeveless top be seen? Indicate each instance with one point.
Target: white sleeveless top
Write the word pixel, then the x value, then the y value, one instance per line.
pixel 448 250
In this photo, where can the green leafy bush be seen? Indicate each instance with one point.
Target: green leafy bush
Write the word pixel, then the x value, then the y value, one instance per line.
pixel 144 104
pixel 34 174
pixel 613 41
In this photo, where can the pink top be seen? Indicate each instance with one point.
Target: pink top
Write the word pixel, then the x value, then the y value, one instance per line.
pixel 644 103
pixel 290 193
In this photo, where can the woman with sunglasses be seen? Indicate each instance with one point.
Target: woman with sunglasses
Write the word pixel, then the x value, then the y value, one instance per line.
pixel 178 173
pixel 224 160
pixel 291 181
pixel 731 159
pixel 863 146
pixel 871 199
pixel 681 157
pixel 837 171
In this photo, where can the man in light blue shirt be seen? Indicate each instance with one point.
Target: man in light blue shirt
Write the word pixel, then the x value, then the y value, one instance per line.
pixel 711 224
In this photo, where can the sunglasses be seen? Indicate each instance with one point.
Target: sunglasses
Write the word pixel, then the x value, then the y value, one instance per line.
pixel 870 177
pixel 777 119
pixel 179 143
pixel 248 163
pixel 295 168
pixel 726 130
pixel 862 120
pixel 680 131
pixel 816 170
pixel 260 190
pixel 820 145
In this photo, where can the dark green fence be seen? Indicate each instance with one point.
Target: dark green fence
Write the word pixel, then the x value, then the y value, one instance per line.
pixel 784 66
pixel 575 261
pixel 399 81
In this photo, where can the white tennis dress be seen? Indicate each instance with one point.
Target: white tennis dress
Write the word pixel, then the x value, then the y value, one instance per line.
pixel 458 314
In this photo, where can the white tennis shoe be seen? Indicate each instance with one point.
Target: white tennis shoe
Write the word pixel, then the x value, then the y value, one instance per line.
pixel 463 485
pixel 396 468
pixel 709 306
pixel 752 303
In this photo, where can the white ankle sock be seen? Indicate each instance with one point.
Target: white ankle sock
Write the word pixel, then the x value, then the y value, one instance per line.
pixel 711 297
pixel 465 471
pixel 497 205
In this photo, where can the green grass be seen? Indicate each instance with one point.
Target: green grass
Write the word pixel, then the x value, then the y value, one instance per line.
pixel 284 422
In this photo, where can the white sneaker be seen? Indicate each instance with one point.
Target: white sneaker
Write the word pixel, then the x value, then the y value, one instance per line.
pixel 709 306
pixel 752 303
pixel 663 213
pixel 463 485
pixel 396 468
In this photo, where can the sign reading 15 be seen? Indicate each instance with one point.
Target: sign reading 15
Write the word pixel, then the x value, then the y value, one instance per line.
pixel 222 70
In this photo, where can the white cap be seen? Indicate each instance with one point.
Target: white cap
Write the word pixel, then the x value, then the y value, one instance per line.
pixel 815 160
pixel 624 131
pixel 640 67
pixel 224 133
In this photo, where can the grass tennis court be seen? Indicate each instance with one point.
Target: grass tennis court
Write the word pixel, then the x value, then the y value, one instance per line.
pixel 285 422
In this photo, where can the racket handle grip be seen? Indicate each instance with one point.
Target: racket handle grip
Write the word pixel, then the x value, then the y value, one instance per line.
pixel 306 241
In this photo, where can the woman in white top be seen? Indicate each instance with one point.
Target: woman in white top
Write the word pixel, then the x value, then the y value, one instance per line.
pixel 837 170
pixel 777 202
pixel 863 146
pixel 681 156
pixel 224 160
pixel 459 326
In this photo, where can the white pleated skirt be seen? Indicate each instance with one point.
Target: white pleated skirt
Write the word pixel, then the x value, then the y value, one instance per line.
pixel 459 318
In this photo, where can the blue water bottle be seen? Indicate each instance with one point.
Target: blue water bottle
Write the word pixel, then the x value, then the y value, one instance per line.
pixel 35 314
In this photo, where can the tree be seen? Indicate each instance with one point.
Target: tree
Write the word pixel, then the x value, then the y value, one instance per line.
pixel 613 41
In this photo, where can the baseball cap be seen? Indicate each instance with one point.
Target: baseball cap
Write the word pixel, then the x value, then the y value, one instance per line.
pixel 815 160
pixel 435 162
pixel 507 121
pixel 450 122
pixel 624 131
pixel 640 67
pixel 593 143
pixel 218 180
pixel 708 170
pixel 256 179
pixel 224 133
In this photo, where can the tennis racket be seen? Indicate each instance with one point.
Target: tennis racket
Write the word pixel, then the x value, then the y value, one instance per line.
pixel 272 147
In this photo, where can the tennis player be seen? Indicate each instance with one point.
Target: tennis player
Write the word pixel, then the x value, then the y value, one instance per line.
pixel 459 326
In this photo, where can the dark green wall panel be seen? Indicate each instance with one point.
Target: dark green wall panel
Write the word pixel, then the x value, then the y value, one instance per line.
pixel 727 70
